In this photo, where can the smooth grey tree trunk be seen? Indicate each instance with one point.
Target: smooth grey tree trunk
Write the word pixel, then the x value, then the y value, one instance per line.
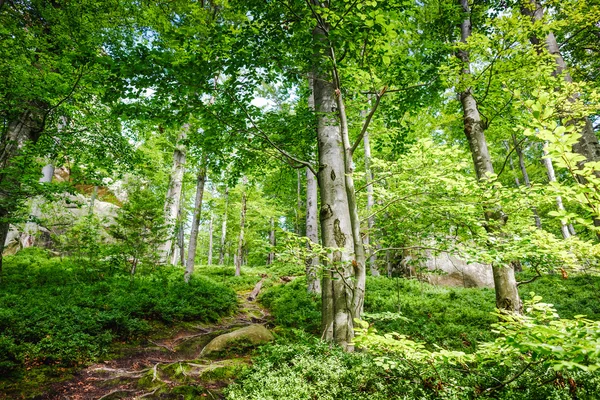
pixel 519 151
pixel 240 249
pixel 312 232
pixel 271 256
pixel 191 257
pixel 505 284
pixel 224 229
pixel 210 240
pixel 336 226
pixel 173 198
pixel 370 203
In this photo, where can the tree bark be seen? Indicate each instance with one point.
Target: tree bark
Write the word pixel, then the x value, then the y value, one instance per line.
pixel 271 256
pixel 505 284
pixel 370 203
pixel 240 248
pixel 210 240
pixel 336 226
pixel 224 229
pixel 559 204
pixel 538 221
pixel 27 128
pixel 588 144
pixel 173 198
pixel 191 257
pixel 312 232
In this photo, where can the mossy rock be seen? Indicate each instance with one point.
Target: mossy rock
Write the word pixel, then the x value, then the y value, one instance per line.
pixel 240 339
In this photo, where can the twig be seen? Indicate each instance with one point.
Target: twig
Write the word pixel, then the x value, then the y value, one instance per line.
pixel 500 386
pixel 532 279
pixel 149 393
pixel 155 372
pixel 508 156
pixel 162 345
pixel 107 395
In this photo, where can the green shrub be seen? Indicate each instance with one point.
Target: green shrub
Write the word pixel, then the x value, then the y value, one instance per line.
pixel 292 306
pixel 51 315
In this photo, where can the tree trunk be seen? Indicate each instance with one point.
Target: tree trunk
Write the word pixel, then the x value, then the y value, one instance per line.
pixel 588 144
pixel 27 128
pixel 336 226
pixel 224 229
pixel 210 240
pixel 298 203
pixel 191 257
pixel 173 198
pixel 507 295
pixel 360 258
pixel 312 232
pixel 240 248
pixel 370 204
pixel 559 204
pixel 538 221
pixel 271 256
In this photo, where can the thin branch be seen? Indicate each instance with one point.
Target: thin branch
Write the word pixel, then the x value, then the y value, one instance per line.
pixel 500 386
pixel 368 120
pixel 390 203
pixel 401 89
pixel 508 156
pixel 345 13
pixel 268 139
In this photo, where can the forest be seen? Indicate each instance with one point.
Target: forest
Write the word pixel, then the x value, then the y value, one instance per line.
pixel 300 199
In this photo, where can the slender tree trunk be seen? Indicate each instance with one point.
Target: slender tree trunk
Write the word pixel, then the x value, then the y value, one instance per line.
pixel 370 204
pixel 210 240
pixel 312 232
pixel 360 258
pixel 173 198
pixel 298 203
pixel 191 257
pixel 559 204
pixel 507 295
pixel 271 257
pixel 224 229
pixel 538 221
pixel 588 144
pixel 240 248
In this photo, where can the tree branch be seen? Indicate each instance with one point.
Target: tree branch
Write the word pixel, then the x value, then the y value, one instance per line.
pixel 368 120
pixel 268 139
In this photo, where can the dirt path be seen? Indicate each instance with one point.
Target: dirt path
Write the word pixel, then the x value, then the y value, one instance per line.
pixel 170 368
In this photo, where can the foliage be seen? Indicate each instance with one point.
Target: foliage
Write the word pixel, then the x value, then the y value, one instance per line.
pixel 293 307
pixel 51 313
pixel 140 228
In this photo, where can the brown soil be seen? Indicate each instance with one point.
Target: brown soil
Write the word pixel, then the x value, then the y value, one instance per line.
pixel 147 371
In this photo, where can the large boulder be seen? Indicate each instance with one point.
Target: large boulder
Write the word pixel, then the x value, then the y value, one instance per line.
pixel 457 272
pixel 250 336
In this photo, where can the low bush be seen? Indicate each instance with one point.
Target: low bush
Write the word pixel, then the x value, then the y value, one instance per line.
pixel 50 316
pixel 292 306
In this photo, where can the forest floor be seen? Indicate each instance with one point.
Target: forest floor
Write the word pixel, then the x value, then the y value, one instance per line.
pixel 166 367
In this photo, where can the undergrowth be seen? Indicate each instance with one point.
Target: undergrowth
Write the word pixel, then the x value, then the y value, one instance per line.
pixel 52 313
